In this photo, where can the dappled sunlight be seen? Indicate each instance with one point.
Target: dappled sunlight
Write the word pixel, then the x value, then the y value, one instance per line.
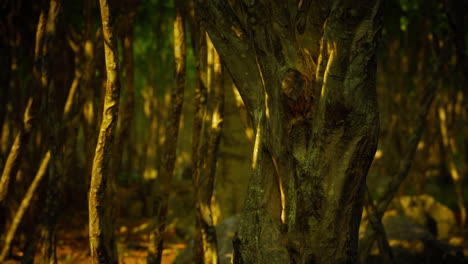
pixel 88 111
pixel 150 174
pixel 257 145
pixel 331 52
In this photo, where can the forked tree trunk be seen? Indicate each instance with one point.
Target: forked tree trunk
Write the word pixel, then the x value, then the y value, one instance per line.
pixel 100 223
pixel 306 72
pixel 160 206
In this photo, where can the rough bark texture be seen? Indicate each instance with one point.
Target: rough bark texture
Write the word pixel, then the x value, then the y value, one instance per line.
pixel 170 144
pixel 100 223
pixel 306 72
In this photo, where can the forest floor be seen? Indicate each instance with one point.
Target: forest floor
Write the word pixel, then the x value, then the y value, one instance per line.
pixel 73 247
pixel 133 236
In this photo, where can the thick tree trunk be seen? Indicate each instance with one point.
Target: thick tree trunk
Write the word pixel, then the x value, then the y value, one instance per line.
pixel 100 222
pixel 170 145
pixel 306 72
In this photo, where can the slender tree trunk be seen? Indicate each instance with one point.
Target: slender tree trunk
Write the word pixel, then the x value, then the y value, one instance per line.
pixel 24 206
pixel 55 176
pixel 6 75
pixel 447 142
pixel 378 229
pixel 128 107
pixel 100 224
pixel 30 114
pixel 200 49
pixel 45 38
pixel 376 212
pixel 207 127
pixel 456 11
pixel 55 184
pixel 306 73
pixel 170 144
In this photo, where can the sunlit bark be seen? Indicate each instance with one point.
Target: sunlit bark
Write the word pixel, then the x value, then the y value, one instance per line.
pixel 170 145
pixel 100 224
pixel 244 116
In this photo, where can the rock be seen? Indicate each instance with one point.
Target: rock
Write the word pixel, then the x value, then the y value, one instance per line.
pixel 416 229
pixel 413 229
pixel 428 212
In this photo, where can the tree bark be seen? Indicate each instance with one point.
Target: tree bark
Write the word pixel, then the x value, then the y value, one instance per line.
pixel 100 222
pixel 306 73
pixel 24 206
pixel 31 111
pixel 170 145
pixel 450 151
pixel 199 44
pixel 129 70
pixel 53 119
pixel 404 163
pixel 206 137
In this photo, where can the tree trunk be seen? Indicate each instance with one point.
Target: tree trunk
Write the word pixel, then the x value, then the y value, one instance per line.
pixel 129 69
pixel 206 137
pixel 170 145
pixel 100 222
pixel 31 110
pixel 306 72
pixel 450 152
pixel 199 44
pixel 24 206
pixel 55 176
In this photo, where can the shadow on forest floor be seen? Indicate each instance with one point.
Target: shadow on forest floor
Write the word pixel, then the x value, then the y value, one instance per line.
pixel 420 230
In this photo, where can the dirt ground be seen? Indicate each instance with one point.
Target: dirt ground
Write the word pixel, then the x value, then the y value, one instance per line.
pixel 73 247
